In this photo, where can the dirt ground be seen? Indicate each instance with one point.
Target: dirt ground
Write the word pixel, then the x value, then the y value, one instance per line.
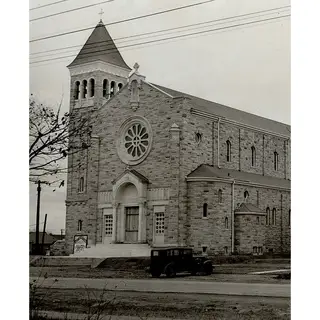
pixel 233 273
pixel 172 306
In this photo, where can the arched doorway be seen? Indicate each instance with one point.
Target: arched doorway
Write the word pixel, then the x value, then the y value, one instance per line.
pixel 127 197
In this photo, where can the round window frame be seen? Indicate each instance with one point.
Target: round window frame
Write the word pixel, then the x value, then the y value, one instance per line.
pixel 122 150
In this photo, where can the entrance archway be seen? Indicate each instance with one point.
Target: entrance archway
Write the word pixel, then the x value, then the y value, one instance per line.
pixel 129 207
pixel 127 197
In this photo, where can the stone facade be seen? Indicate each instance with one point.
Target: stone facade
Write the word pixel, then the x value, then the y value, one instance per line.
pixel 153 200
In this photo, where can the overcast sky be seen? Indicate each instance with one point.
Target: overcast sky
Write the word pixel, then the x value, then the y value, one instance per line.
pixel 247 68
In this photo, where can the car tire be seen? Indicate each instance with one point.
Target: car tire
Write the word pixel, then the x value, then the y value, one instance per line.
pixel 156 274
pixel 170 272
pixel 207 269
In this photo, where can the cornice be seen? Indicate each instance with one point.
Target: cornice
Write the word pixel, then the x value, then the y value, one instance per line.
pixel 238 124
pixel 236 182
pixel 99 66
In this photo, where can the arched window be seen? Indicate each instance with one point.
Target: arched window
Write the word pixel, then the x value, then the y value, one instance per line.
pixel 246 195
pixel 289 218
pixel 276 160
pixel 205 210
pixel 228 151
pixel 253 156
pixel 112 88
pixel 81 184
pixel 105 88
pixel 274 213
pixel 79 225
pixel 268 216
pixel 220 196
pixel 120 85
pixel 226 223
pixel 92 87
pixel 77 90
pixel 84 88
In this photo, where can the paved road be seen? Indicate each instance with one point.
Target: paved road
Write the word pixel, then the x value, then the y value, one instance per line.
pixel 169 285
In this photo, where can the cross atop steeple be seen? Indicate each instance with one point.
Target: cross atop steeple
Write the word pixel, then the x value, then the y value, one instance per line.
pixel 101 13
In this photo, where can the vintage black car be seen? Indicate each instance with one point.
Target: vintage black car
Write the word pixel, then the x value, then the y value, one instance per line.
pixel 172 260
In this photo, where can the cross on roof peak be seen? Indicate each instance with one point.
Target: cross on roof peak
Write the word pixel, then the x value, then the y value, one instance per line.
pixel 101 13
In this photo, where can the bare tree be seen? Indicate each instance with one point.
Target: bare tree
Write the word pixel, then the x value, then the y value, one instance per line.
pixel 52 137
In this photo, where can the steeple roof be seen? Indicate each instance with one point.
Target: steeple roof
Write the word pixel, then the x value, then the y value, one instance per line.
pixel 99 47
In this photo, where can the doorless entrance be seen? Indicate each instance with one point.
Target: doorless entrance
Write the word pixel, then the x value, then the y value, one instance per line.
pixel 132 224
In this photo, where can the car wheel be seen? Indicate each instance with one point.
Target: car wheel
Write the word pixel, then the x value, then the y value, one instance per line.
pixel 156 274
pixel 208 269
pixel 170 272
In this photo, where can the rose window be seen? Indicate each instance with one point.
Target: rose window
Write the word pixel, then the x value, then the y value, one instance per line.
pixel 136 140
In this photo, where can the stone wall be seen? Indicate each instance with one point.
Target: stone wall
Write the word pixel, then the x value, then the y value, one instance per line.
pixel 250 230
pixel 170 160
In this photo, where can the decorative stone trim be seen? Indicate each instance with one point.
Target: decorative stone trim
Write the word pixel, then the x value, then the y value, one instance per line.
pixel 99 66
pixel 158 194
pixel 135 140
pixel 236 182
pixel 239 124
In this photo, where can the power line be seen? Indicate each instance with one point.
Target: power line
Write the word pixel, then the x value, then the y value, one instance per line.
pixel 169 38
pixel 31 225
pixel 70 10
pixel 47 5
pixel 125 20
pixel 150 36
pixel 165 30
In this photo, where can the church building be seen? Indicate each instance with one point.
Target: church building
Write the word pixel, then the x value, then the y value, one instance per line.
pixel 167 168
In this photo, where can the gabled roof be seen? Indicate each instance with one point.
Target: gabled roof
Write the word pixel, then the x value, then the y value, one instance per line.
pixel 206 171
pixel 248 208
pixel 99 47
pixel 141 177
pixel 230 113
pixel 48 238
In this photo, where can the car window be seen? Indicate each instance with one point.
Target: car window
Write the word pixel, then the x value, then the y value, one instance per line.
pixel 176 252
pixel 187 252
pixel 155 253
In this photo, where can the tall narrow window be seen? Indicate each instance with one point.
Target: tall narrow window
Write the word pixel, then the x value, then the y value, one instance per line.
pixel 119 86
pixel 274 213
pixel 84 88
pixel 92 87
pixel 205 210
pixel 220 196
pixel 253 156
pixel 276 160
pixel 79 225
pixel 246 196
pixel 228 151
pixel 289 218
pixel 226 223
pixel 268 216
pixel 77 90
pixel 105 88
pixel 81 184
pixel 258 198
pixel 112 88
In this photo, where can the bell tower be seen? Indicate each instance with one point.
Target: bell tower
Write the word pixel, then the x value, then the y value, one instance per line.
pixel 98 72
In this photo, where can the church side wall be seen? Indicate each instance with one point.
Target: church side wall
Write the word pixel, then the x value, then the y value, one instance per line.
pixel 249 231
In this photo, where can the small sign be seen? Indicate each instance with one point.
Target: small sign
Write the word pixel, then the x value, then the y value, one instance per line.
pixel 80 242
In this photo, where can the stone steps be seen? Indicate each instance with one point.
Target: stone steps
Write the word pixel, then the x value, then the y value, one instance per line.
pixel 115 250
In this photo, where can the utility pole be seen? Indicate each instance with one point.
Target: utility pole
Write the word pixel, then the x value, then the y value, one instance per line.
pixel 38 217
pixel 44 231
